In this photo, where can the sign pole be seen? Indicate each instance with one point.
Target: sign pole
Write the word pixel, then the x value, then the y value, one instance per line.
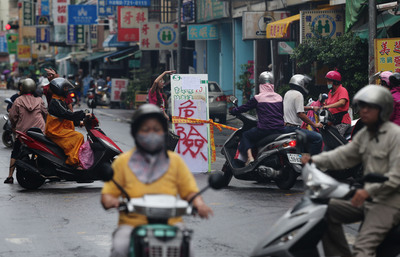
pixel 178 55
pixel 372 36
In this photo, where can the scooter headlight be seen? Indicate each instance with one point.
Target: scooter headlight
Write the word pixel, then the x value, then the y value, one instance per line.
pixel 286 237
pixel 108 144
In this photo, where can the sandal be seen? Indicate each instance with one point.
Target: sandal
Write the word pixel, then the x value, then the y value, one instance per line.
pixel 9 180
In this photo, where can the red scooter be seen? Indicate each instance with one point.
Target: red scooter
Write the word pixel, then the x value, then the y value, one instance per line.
pixel 41 159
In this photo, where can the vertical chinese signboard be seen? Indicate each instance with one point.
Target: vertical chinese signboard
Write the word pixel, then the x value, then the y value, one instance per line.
pixel 328 23
pixel 387 54
pixel 189 99
pixel 118 86
pixel 28 10
pixel 157 36
pixel 60 12
pixel 129 19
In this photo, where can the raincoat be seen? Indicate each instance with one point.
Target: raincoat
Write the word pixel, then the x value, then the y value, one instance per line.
pixel 60 128
pixel 395 117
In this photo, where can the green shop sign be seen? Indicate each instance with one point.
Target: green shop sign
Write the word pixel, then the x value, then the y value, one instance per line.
pixel 207 10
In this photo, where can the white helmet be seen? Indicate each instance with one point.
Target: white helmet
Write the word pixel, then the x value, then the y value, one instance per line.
pixel 266 77
pixel 301 82
pixel 376 95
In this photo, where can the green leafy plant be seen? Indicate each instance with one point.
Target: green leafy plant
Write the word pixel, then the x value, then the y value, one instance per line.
pixel 348 54
pixel 244 83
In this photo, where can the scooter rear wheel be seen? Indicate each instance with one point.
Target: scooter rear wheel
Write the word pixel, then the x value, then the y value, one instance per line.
pixel 7 139
pixel 287 179
pixel 227 177
pixel 28 179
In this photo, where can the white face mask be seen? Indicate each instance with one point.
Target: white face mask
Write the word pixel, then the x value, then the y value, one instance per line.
pixel 330 86
pixel 151 143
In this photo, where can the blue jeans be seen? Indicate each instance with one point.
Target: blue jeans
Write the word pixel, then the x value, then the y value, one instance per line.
pixel 314 139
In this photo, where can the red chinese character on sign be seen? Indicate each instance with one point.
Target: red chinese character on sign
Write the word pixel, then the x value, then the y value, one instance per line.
pixel 62 9
pixel 397 70
pixel 384 50
pixel 117 95
pixel 397 61
pixel 140 17
pixel 145 28
pixel 145 42
pixel 193 142
pixel 396 47
pixel 128 17
pixel 62 19
pixel 186 109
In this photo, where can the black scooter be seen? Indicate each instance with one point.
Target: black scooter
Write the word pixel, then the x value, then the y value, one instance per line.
pixel 8 136
pixel 276 157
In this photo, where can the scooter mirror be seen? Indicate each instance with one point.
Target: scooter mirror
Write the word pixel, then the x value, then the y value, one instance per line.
pixel 375 178
pixel 216 180
pixel 91 103
pixel 106 173
pixel 233 99
pixel 301 142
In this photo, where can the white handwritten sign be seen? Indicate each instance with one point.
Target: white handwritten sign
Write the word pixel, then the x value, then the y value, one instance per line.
pixel 189 99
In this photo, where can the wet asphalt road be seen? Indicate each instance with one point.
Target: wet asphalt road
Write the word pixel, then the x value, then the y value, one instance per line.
pixel 66 219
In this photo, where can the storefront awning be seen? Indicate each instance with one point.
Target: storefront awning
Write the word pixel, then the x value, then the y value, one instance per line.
pixel 136 54
pixel 384 21
pixel 115 54
pixel 111 41
pixel 97 55
pixel 278 29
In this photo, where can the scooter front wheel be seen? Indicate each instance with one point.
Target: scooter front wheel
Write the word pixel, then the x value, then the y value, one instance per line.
pixel 227 177
pixel 7 139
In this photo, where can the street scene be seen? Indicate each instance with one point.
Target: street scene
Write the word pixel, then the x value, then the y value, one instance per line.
pixel 166 128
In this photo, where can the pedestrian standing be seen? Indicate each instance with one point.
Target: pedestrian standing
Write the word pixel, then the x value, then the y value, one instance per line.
pixel 156 94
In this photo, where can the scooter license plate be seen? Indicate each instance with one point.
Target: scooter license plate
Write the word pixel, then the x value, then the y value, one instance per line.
pixel 294 158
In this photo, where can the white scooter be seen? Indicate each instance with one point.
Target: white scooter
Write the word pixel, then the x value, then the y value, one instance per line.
pixel 299 231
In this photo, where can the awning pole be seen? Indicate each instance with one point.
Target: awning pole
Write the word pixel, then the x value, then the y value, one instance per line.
pixel 371 40
pixel 178 55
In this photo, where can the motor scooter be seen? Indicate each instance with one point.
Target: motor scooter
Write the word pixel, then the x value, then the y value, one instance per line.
pixel 157 238
pixel 100 95
pixel 41 159
pixel 276 157
pixel 299 231
pixel 8 136
pixel 333 139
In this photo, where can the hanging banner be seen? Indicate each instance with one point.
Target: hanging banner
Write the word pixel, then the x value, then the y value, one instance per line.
pixel 104 10
pixel 28 11
pixel 44 7
pixel 118 86
pixel 129 23
pixel 387 54
pixel 189 99
pixel 75 35
pixel 328 23
pixel 3 42
pixel 60 11
pixel 40 49
pixel 24 52
pixel 254 24
pixel 157 36
pixel 208 10
pixel 12 43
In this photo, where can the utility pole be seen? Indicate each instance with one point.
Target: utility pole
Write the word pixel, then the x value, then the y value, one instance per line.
pixel 178 55
pixel 371 41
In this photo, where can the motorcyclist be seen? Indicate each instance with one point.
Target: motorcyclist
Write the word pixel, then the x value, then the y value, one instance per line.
pixel 377 147
pixel 293 111
pixel 148 169
pixel 60 124
pixel 338 101
pixel 394 86
pixel 269 108
pixel 26 112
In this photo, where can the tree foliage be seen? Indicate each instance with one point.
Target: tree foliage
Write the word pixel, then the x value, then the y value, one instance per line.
pixel 348 54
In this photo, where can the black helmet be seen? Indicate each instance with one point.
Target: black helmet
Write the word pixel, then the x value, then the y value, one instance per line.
pixel 394 79
pixel 28 86
pixel 58 85
pixel 144 112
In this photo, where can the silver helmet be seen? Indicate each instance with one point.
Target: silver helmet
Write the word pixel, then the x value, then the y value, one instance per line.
pixel 300 81
pixel 28 86
pixel 266 77
pixel 376 95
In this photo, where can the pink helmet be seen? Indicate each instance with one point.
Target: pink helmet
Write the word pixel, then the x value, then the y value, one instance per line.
pixel 334 75
pixel 384 76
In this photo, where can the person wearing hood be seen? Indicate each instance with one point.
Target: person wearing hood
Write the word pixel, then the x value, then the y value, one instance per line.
pixel 394 87
pixel 293 109
pixel 269 108
pixel 26 112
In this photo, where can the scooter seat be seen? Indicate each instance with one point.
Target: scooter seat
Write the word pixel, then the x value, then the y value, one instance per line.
pixel 38 135
pixel 267 139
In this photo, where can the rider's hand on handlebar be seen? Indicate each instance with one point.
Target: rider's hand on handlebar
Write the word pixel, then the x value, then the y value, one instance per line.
pixel 359 197
pixel 318 125
pixel 233 111
pixel 204 211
